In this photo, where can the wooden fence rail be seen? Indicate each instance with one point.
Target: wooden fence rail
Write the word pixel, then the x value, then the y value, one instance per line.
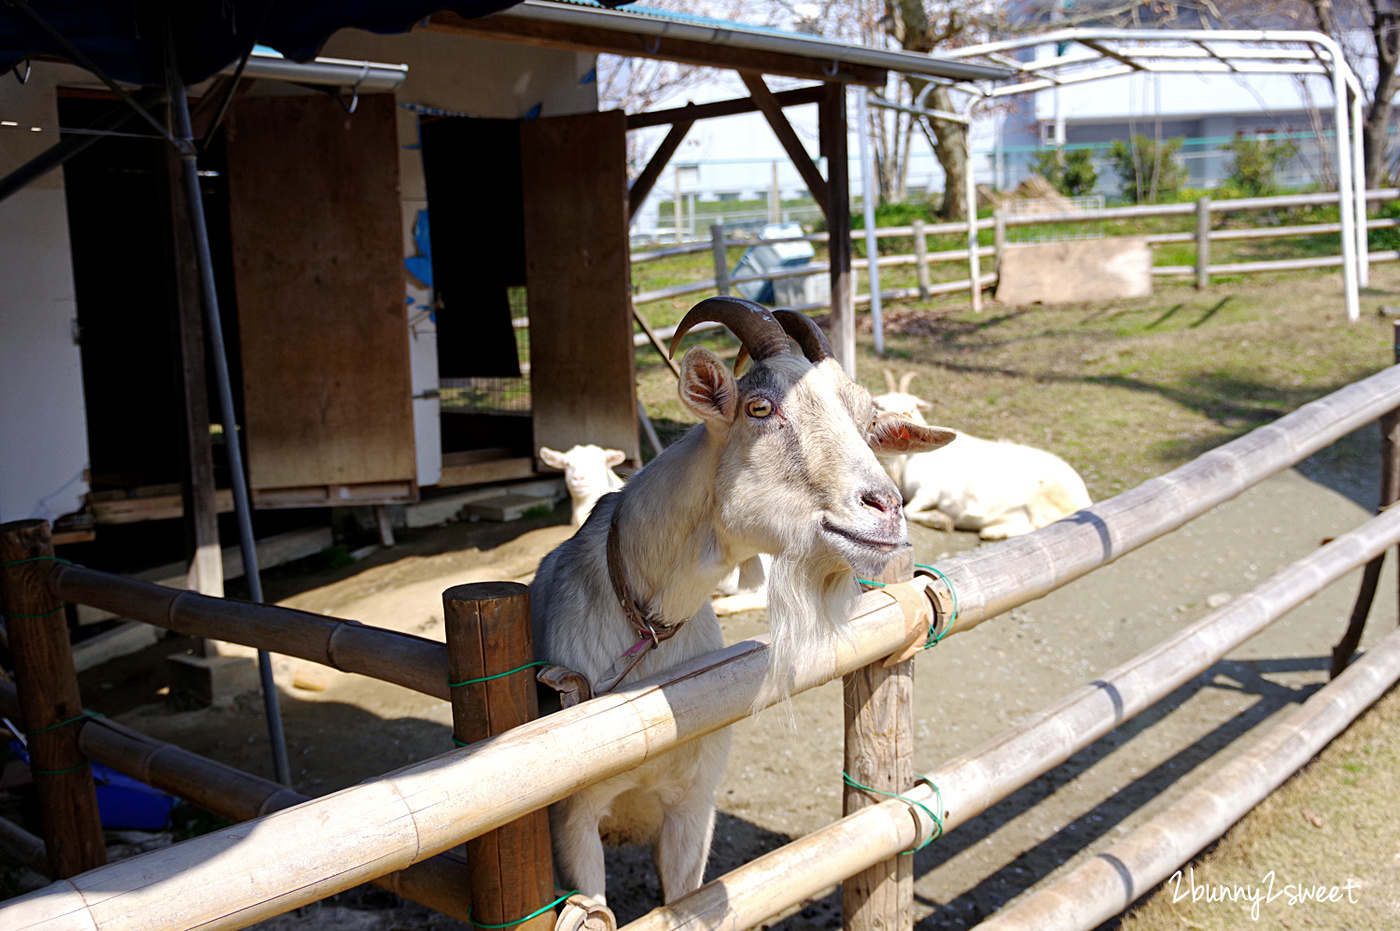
pixel 922 259
pixel 234 877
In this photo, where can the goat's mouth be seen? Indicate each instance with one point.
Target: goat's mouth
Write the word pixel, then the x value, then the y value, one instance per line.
pixel 863 550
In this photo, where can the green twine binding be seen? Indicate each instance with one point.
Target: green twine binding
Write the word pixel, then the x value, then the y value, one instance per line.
pixel 35 617
pixel 935 636
pixel 59 772
pixel 53 727
pixel 457 685
pixel 934 817
pixel 520 921
pixel 18 562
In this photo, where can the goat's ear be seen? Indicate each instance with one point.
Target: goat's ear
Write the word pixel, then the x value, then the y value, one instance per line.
pixel 707 388
pixel 552 457
pixel 614 457
pixel 894 433
pixel 923 405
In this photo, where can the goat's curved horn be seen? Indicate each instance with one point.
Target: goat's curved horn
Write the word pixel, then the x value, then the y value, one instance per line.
pixel 807 334
pixel 753 323
pixel 889 382
pixel 904 381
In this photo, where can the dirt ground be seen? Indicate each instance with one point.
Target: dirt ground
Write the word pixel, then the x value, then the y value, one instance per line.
pixel 782 783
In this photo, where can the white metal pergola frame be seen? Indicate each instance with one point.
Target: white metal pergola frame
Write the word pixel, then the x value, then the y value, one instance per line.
pixel 1096 54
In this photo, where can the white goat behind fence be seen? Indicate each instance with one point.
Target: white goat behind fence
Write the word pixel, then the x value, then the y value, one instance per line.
pixel 783 462
pixel 998 488
pixel 588 474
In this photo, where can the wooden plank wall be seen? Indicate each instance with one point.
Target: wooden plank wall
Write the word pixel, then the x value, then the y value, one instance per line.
pixel 578 277
pixel 318 256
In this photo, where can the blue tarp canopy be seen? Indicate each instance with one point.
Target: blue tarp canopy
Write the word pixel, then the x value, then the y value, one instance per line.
pixel 126 38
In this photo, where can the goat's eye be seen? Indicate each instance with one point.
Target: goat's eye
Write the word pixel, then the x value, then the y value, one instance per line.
pixel 758 407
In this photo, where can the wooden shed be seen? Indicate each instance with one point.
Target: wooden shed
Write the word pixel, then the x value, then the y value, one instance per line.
pixel 372 364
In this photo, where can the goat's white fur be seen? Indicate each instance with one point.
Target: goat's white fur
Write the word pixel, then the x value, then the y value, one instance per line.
pixel 800 482
pixel 588 475
pixel 998 488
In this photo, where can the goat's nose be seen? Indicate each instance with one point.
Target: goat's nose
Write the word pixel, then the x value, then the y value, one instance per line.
pixel 884 501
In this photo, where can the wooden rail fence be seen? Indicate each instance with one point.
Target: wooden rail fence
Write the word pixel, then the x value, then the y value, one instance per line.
pixel 404 821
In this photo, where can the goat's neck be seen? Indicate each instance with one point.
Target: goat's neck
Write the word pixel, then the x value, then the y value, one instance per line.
pixel 673 553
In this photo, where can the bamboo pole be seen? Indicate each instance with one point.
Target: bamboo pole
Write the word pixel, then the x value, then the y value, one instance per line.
pixel 403 659
pixel 238 876
pixel 972 783
pixel 439 882
pixel 49 700
pixel 879 753
pixel 996 579
pixel 1112 881
pixel 489 655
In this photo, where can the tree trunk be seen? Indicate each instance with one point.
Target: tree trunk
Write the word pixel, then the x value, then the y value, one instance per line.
pixel 951 148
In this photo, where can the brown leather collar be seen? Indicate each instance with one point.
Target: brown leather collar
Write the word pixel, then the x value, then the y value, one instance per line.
pixel 648 626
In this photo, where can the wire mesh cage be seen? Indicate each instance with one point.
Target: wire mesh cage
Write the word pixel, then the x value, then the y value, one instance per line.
pixel 497 395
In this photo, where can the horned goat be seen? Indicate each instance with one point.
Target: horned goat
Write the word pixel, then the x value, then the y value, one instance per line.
pixel 997 488
pixel 782 462
pixel 588 474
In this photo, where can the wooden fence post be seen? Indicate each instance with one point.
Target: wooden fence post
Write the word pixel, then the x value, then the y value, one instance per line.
pixel 721 259
pixel 1371 575
pixel 880 754
pixel 921 259
pixel 1202 243
pixel 49 699
pixel 489 652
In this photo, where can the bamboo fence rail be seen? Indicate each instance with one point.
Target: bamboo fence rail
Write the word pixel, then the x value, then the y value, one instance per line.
pixel 1114 879
pixel 403 659
pixel 970 784
pixel 439 882
pixel 323 846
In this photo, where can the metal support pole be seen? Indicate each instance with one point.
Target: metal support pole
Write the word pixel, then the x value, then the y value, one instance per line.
pixel 973 259
pixel 214 332
pixel 872 242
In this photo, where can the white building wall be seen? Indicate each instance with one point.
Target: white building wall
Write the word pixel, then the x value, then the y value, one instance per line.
pixel 43 426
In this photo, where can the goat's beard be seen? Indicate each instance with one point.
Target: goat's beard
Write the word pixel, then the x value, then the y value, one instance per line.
pixel 809 611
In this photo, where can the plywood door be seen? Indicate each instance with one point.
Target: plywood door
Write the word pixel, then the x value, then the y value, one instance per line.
pixel 578 280
pixel 318 262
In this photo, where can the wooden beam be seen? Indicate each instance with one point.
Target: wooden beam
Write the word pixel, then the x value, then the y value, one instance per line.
pixel 706 111
pixel 645 181
pixel 773 112
pixel 832 129
pixel 506 28
pixel 199 497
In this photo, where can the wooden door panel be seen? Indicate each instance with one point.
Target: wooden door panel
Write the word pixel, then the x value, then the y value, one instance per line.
pixel 318 264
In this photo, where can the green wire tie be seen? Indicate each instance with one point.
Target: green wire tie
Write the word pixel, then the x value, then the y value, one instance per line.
pixel 35 617
pixel 457 685
pixel 934 636
pixel 937 821
pixel 20 562
pixel 53 727
pixel 59 772
pixel 511 924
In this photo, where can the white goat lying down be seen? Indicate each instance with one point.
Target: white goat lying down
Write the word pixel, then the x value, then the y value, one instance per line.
pixel 999 489
pixel 783 463
pixel 588 474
